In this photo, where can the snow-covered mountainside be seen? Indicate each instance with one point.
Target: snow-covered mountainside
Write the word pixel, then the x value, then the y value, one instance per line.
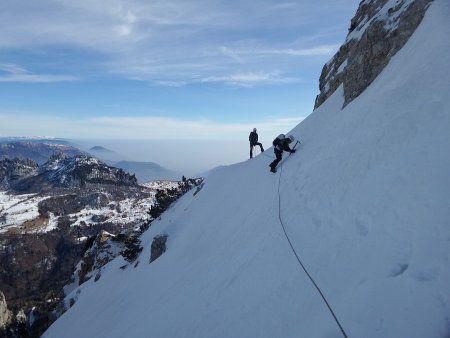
pixel 364 202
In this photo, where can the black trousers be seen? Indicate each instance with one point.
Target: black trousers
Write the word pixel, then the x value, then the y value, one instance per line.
pixel 255 144
pixel 278 157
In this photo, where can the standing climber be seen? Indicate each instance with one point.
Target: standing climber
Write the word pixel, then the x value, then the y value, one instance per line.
pixel 253 138
pixel 281 143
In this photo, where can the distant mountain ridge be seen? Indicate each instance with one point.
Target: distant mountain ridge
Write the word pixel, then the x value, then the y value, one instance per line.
pixel 106 155
pixel 60 171
pixel 148 171
pixel 41 150
pixel 38 150
pixel 144 171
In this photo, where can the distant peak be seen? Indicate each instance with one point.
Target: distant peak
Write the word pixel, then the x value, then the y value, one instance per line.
pixel 101 149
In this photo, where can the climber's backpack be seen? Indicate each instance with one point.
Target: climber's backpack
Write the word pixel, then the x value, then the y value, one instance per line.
pixel 278 139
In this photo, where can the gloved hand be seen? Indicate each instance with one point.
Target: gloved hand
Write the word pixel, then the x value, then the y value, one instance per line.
pixel 293 151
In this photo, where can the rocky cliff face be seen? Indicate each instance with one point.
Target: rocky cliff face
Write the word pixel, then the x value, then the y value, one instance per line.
pixel 379 29
pixel 34 269
pixel 98 251
pixel 5 314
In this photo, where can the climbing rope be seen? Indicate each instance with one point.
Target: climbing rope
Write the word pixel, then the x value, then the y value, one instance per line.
pixel 298 258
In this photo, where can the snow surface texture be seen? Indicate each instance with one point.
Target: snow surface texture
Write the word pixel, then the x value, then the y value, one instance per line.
pixel 365 201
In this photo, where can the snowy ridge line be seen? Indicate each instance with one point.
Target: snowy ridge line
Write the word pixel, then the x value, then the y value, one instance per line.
pixel 297 256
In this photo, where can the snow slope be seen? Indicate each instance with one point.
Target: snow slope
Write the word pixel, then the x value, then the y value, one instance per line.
pixel 365 202
pixel 18 209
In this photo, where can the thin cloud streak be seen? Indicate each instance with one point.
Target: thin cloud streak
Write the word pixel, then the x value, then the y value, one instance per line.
pixel 15 73
pixel 30 78
pixel 251 79
pixel 315 51
pixel 12 68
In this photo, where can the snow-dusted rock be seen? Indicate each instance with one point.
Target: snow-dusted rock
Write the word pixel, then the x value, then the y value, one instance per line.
pixel 378 31
pixel 5 314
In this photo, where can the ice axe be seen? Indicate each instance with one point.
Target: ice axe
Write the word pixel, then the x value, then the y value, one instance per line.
pixel 297 142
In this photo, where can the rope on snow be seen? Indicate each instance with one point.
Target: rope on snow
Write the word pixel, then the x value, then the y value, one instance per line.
pixel 298 258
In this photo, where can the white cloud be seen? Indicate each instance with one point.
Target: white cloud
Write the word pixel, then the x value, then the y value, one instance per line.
pixel 315 51
pixel 172 42
pixel 32 78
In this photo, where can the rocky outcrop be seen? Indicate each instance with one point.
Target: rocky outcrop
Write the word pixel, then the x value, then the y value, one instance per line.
pixel 165 197
pixel 102 251
pixel 103 248
pixel 12 325
pixel 5 314
pixel 378 31
pixel 158 247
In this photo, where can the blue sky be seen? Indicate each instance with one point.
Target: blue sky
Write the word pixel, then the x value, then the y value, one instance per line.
pixel 178 69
